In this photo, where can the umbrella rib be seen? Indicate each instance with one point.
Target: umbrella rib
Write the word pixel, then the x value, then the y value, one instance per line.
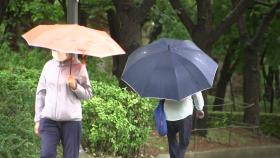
pixel 191 75
pixel 176 77
pixel 188 60
pixel 149 76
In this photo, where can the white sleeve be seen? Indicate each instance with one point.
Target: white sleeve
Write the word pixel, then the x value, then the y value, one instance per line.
pixel 198 100
pixel 40 96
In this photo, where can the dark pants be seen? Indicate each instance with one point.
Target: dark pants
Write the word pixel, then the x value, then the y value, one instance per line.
pixel 184 128
pixel 52 132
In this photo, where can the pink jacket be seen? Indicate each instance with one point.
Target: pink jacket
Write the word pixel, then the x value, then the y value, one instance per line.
pixel 54 98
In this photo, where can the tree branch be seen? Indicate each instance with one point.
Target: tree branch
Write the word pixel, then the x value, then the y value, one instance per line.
pixel 266 22
pixel 231 18
pixel 183 15
pixel 143 9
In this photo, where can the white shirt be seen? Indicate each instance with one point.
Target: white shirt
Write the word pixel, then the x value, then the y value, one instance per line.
pixel 177 110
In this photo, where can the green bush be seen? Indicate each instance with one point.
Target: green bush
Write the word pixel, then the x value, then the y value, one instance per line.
pixel 115 121
pixel 268 122
pixel 24 58
pixel 222 119
pixel 17 138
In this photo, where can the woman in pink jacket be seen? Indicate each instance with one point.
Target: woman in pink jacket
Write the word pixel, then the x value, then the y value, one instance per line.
pixel 63 84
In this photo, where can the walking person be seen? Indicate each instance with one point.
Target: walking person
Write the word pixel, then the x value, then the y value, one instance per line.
pixel 63 84
pixel 179 120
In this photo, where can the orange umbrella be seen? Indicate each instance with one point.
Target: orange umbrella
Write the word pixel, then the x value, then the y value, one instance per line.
pixel 73 38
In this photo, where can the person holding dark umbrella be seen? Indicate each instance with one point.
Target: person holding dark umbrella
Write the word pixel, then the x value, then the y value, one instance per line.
pixel 177 71
pixel 179 120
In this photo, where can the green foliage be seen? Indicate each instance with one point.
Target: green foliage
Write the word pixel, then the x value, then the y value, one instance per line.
pixel 100 70
pixel 17 136
pixel 163 14
pixel 16 114
pixel 115 121
pixel 268 122
pixel 24 58
pixel 272 44
pixel 38 9
pixel 222 119
pixel 42 10
pixel 22 14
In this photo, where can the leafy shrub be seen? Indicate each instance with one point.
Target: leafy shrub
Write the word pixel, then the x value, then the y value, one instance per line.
pixel 17 136
pixel 222 119
pixel 268 123
pixel 16 114
pixel 115 121
pixel 24 58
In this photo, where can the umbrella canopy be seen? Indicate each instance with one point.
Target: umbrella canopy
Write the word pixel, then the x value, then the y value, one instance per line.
pixel 169 69
pixel 72 38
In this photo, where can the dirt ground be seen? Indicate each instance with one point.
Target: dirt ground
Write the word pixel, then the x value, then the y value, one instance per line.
pixel 215 139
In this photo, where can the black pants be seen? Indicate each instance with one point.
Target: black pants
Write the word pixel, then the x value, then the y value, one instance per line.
pixel 184 128
pixel 52 132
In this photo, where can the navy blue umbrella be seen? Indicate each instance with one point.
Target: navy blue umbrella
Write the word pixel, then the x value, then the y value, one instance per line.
pixel 169 69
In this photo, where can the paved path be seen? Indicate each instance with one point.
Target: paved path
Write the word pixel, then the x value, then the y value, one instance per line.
pixel 249 152
pixel 83 154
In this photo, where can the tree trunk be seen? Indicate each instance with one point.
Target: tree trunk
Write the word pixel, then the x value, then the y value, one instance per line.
pixel 12 29
pixel 3 7
pixel 82 16
pixel 129 38
pixel 226 73
pixel 277 83
pixel 269 90
pixel 251 91
pixel 253 46
pixel 125 27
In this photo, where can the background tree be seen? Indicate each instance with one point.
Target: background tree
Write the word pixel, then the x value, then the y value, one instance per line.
pixel 270 61
pixel 203 31
pixel 4 5
pixel 126 28
pixel 19 15
pixel 253 45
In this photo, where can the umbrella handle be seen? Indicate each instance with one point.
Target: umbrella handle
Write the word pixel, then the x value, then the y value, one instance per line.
pixel 70 65
pixel 83 56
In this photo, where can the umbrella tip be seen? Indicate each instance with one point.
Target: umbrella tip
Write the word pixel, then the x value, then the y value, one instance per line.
pixel 168 47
